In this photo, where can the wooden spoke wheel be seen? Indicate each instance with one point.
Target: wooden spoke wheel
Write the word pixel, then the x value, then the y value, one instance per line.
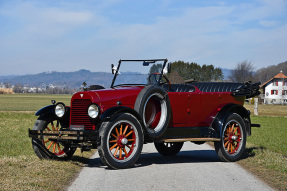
pixel 233 139
pixel 48 148
pixel 58 149
pixel 121 141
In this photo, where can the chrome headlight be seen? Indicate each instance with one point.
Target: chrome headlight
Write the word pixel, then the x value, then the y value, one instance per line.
pixel 60 109
pixel 93 111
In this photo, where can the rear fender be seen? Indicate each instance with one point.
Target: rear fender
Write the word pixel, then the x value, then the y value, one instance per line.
pixel 220 119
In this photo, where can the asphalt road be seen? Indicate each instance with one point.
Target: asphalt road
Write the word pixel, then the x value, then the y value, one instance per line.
pixel 196 167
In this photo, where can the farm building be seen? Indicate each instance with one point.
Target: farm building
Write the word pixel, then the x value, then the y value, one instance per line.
pixel 275 90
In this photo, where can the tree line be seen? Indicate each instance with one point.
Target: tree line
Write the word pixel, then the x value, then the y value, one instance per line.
pixel 182 71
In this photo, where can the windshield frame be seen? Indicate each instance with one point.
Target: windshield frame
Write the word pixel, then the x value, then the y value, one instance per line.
pixel 148 60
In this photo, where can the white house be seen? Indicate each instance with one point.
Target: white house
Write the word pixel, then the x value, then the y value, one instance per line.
pixel 275 90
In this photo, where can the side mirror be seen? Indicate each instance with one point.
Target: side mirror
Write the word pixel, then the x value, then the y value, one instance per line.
pixel 113 72
pixel 168 68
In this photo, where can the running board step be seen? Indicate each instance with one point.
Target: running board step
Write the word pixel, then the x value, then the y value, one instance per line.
pixel 189 139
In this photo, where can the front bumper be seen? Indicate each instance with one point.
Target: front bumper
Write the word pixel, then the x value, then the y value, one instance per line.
pixel 77 136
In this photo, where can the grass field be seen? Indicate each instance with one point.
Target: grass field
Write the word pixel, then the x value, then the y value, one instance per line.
pixel 20 169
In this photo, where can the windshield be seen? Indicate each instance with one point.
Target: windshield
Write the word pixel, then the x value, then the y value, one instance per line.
pixel 131 72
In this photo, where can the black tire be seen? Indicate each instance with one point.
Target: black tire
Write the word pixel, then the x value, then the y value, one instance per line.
pixel 153 106
pixel 233 139
pixel 121 141
pixel 168 149
pixel 48 149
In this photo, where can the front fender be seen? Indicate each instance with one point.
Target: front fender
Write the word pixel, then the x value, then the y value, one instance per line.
pixel 109 113
pixel 223 114
pixel 50 109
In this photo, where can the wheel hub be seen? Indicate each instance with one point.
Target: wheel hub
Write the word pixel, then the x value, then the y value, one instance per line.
pixel 122 141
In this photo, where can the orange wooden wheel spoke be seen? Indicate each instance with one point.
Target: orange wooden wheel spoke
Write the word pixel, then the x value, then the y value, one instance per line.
pixel 59 148
pixel 113 141
pixel 125 151
pixel 231 148
pixel 232 128
pixel 226 144
pixel 54 147
pixel 46 141
pixel 117 131
pixel 121 151
pixel 121 129
pixel 226 138
pixel 129 147
pixel 228 147
pixel 50 145
pixel 129 133
pixel 48 128
pixel 57 126
pixel 125 130
pixel 114 135
pixel 114 146
pixel 116 151
pixel 131 140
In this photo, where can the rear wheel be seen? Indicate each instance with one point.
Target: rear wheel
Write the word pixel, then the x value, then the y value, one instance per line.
pixel 233 139
pixel 121 141
pixel 168 149
pixel 48 148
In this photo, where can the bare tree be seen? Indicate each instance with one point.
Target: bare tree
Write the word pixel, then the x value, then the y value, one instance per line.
pixel 243 72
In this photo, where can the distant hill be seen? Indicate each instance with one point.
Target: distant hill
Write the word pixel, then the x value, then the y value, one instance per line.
pixel 71 80
pixel 61 79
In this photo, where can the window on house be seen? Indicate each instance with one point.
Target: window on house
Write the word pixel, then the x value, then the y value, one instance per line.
pixel 274 92
pixel 284 92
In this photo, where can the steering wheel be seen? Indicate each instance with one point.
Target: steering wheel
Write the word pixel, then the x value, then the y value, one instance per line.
pixel 154 77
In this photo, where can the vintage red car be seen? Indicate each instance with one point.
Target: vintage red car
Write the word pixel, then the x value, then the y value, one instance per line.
pixel 142 106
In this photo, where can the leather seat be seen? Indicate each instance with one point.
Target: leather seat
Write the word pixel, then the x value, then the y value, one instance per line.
pixel 217 86
pixel 179 88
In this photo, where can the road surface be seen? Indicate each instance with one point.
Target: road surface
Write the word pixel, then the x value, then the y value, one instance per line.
pixel 196 167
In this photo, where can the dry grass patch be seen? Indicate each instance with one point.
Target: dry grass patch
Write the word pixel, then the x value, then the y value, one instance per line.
pixel 6 91
pixel 20 169
pixel 269 110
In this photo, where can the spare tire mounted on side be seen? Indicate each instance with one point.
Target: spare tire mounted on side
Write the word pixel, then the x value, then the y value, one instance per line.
pixel 153 106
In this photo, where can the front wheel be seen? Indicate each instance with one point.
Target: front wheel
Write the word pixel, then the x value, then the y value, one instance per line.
pixel 51 149
pixel 121 141
pixel 168 149
pixel 233 139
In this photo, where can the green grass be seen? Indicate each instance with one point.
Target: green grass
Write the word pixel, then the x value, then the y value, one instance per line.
pixel 20 169
pixel 272 134
pixel 30 102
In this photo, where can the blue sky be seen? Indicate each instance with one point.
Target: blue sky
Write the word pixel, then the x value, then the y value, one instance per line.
pixel 68 35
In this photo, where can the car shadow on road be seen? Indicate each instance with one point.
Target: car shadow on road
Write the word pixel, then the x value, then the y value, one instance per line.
pixel 147 159
pixel 198 156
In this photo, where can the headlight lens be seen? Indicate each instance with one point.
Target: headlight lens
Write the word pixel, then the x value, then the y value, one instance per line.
pixel 93 111
pixel 60 109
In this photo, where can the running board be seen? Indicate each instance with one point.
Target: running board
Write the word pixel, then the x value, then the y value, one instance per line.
pixel 190 139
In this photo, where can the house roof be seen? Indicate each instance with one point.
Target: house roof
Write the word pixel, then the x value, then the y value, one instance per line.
pixel 280 75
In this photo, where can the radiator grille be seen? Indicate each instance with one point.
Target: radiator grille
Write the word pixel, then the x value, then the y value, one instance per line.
pixel 79 115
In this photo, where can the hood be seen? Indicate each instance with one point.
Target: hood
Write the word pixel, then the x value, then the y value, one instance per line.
pixel 127 95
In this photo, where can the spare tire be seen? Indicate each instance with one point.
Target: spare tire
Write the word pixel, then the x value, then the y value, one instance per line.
pixel 153 106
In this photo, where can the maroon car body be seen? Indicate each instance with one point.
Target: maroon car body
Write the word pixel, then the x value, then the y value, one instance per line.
pixel 119 120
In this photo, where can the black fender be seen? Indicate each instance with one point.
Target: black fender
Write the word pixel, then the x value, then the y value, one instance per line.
pixel 223 114
pixel 49 109
pixel 111 112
